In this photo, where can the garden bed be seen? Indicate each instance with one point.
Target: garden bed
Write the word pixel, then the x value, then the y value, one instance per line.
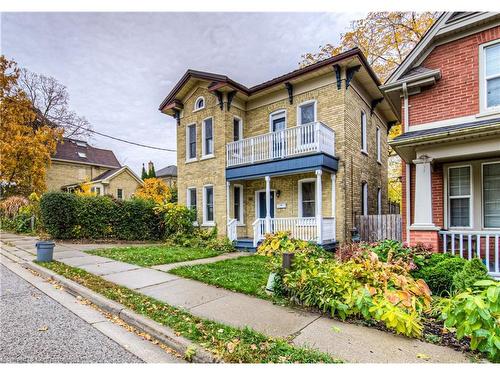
pixel 147 256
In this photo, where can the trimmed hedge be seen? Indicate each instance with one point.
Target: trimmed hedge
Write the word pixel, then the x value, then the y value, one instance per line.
pixel 68 216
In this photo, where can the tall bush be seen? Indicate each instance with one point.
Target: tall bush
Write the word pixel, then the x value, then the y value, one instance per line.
pixel 59 214
pixel 136 219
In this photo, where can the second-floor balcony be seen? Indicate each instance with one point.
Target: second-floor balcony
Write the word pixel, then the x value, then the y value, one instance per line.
pixel 311 138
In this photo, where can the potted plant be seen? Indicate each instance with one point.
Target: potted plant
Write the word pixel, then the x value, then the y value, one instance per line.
pixel 45 249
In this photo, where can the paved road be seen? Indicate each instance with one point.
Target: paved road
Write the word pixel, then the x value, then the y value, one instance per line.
pixel 35 328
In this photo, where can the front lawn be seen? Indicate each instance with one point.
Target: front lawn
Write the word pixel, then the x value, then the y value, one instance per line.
pixel 148 256
pixel 245 274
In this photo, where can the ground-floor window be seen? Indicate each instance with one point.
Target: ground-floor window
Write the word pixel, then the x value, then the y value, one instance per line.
pixel 379 201
pixel 96 190
pixel 364 198
pixel 119 194
pixel 491 195
pixel 208 204
pixel 191 198
pixel 307 198
pixel 459 196
pixel 238 203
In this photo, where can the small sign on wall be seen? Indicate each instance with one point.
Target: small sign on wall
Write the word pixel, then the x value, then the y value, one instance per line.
pixel 281 205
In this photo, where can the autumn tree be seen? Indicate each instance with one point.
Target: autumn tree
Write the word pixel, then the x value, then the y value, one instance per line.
pixel 25 150
pixel 385 38
pixel 51 102
pixel 154 189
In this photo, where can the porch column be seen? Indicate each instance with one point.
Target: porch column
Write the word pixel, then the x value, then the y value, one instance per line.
pixel 228 199
pixel 319 205
pixel 423 194
pixel 268 204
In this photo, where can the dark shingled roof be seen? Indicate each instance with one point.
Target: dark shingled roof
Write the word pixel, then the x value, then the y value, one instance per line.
pixel 444 129
pixel 80 151
pixel 416 71
pixel 106 174
pixel 171 170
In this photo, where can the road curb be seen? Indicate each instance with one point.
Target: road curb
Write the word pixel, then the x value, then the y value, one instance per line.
pixel 159 332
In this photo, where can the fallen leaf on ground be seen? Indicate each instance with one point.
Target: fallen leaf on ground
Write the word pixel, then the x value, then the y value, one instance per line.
pixel 336 329
pixel 423 356
pixel 43 328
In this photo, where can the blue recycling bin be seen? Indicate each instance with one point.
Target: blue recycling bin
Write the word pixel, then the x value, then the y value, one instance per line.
pixel 45 251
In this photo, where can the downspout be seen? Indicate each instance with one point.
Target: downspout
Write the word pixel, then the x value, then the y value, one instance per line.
pixel 406 119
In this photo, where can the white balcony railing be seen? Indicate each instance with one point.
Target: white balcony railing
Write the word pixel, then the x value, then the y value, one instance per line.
pixel 483 245
pixel 304 228
pixel 314 137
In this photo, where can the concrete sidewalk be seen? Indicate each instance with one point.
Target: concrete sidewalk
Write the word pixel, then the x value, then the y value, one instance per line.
pixel 349 342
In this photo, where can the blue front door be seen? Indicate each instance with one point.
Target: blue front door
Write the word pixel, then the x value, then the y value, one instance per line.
pixel 262 204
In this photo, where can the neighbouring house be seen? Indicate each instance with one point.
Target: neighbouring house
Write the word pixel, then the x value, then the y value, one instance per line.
pixel 75 162
pixel 304 152
pixel 168 175
pixel 448 93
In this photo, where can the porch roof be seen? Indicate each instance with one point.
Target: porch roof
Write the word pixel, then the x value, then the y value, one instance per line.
pixel 283 167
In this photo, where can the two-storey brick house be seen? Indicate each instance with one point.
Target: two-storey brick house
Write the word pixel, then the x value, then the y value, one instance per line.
pixel 448 92
pixel 304 152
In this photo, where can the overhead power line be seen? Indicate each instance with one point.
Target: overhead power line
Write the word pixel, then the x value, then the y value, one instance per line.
pixel 130 142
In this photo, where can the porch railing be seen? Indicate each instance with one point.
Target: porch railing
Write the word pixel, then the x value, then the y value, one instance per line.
pixel 467 244
pixel 304 228
pixel 314 137
pixel 232 230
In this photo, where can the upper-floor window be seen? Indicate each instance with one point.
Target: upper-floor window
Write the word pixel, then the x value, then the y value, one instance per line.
pixel 491 195
pixel 199 103
pixel 490 84
pixel 237 129
pixel 191 142
pixel 459 196
pixel 208 137
pixel 306 113
pixel 379 150
pixel 363 132
pixel 364 198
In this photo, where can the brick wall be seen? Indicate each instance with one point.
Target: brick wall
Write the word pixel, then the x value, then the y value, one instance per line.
pixel 123 181
pixel 61 173
pixel 456 94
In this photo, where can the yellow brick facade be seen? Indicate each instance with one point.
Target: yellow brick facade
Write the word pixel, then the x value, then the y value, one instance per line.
pixel 338 109
pixel 61 173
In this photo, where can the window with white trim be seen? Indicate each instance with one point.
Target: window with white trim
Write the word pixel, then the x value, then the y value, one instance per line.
pixel 363 132
pixel 307 113
pixel 96 190
pixel 364 198
pixel 491 83
pixel 191 199
pixel 208 137
pixel 119 194
pixel 237 129
pixel 238 203
pixel 491 195
pixel 307 198
pixel 379 150
pixel 379 201
pixel 459 196
pixel 208 204
pixel 199 103
pixel 191 142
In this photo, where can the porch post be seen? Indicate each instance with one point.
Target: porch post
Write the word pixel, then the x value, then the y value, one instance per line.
pixel 334 193
pixel 228 199
pixel 268 204
pixel 423 194
pixel 319 205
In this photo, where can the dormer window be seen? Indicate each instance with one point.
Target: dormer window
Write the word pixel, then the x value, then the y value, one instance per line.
pixel 199 103
pixel 82 154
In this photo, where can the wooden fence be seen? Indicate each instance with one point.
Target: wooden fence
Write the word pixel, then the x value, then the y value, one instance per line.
pixel 379 227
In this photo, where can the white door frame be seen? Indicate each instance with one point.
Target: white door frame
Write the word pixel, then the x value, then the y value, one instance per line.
pixel 257 202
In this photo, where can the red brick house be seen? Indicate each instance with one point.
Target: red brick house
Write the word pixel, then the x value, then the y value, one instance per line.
pixel 448 94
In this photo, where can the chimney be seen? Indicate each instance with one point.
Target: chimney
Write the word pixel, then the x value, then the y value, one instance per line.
pixel 150 166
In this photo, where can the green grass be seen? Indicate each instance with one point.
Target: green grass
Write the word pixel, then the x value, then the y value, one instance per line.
pixel 232 345
pixel 245 274
pixel 148 256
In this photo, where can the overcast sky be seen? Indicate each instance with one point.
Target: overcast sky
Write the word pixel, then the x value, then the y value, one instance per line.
pixel 119 66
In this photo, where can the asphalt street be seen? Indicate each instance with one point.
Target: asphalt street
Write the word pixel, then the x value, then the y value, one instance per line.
pixel 36 329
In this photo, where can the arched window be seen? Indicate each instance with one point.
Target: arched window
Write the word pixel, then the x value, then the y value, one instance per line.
pixel 199 103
